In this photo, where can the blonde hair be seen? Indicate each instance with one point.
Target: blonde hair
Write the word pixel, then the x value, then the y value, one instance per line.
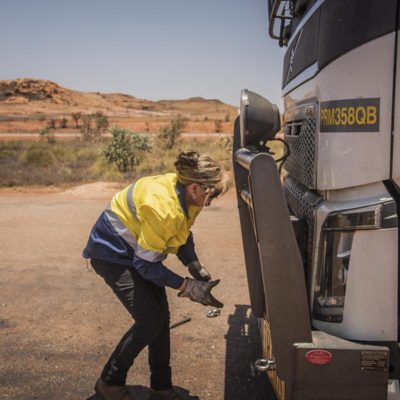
pixel 192 167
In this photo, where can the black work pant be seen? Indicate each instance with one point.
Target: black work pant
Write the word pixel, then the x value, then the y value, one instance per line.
pixel 148 305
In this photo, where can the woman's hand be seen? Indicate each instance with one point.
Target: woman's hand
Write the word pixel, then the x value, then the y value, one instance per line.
pixel 198 271
pixel 200 292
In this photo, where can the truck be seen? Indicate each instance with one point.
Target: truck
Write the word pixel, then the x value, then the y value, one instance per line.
pixel 320 224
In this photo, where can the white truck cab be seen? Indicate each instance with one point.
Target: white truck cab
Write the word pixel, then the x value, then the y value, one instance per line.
pixel 341 126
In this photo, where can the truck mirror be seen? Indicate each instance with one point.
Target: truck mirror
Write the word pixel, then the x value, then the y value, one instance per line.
pixel 259 119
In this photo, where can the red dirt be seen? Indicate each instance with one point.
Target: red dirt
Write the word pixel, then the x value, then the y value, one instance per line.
pixel 59 322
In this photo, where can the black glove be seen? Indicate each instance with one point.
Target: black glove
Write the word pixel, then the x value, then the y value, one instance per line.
pixel 198 271
pixel 200 292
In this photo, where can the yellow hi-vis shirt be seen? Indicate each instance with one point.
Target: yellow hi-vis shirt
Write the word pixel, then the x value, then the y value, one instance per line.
pixel 151 211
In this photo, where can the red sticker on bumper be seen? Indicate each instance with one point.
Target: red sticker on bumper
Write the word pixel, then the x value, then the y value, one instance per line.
pixel 319 357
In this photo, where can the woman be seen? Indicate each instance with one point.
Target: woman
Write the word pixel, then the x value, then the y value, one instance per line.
pixel 143 224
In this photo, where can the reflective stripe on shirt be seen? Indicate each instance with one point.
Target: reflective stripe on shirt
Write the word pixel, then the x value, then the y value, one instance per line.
pixel 126 234
pixel 129 200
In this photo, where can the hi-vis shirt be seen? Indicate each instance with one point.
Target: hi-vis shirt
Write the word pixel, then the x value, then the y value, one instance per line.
pixel 142 225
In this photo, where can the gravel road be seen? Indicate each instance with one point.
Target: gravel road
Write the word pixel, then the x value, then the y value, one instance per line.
pixel 59 321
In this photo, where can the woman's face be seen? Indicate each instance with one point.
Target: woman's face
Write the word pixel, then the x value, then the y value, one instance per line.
pixel 196 194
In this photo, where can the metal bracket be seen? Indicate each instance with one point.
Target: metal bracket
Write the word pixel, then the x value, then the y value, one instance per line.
pixel 263 365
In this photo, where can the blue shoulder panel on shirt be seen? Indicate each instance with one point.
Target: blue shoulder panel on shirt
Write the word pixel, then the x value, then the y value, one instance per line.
pixel 105 244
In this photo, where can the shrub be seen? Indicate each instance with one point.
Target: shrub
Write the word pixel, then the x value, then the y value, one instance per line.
pixel 127 148
pixel 226 143
pixel 93 126
pixel 86 128
pixel 76 116
pixel 10 151
pixel 51 124
pixel 63 123
pixel 171 132
pixel 218 125
pixel 47 134
pixel 39 156
pixel 101 123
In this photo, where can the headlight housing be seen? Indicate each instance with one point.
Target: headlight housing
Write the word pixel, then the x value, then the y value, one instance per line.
pixel 259 119
pixel 334 259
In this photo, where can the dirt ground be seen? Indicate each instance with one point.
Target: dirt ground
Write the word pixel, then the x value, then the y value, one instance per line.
pixel 59 322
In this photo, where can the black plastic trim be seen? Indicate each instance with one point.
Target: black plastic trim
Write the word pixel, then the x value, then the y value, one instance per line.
pixel 302 52
pixel 337 27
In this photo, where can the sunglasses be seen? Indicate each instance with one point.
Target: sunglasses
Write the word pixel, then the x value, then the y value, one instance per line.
pixel 208 189
pixel 211 192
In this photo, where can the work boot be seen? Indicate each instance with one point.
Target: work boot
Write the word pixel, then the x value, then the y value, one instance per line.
pixel 168 394
pixel 106 392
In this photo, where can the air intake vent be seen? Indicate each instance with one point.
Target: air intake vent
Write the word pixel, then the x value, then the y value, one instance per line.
pixel 302 203
pixel 301 137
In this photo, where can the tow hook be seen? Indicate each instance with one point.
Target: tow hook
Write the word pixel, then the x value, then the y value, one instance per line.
pixel 263 365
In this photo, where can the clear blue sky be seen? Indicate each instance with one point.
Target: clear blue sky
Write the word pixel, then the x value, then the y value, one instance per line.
pixel 153 49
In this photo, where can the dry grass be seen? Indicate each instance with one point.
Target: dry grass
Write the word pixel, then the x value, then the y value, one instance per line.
pixel 150 124
pixel 24 163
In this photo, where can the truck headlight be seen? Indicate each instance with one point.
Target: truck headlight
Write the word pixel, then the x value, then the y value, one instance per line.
pixel 259 119
pixel 332 276
pixel 334 259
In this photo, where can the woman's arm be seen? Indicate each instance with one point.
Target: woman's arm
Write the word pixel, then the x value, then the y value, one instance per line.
pixel 157 273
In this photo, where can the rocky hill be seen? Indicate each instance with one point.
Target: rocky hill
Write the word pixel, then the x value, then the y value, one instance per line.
pixel 39 94
pixel 27 105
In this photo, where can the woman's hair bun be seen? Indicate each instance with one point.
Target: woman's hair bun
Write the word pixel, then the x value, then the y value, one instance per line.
pixel 193 167
pixel 187 159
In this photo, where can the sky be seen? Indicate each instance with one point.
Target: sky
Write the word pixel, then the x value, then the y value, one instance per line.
pixel 151 49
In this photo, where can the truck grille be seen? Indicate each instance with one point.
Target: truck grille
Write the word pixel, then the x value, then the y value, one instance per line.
pixel 301 137
pixel 302 203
